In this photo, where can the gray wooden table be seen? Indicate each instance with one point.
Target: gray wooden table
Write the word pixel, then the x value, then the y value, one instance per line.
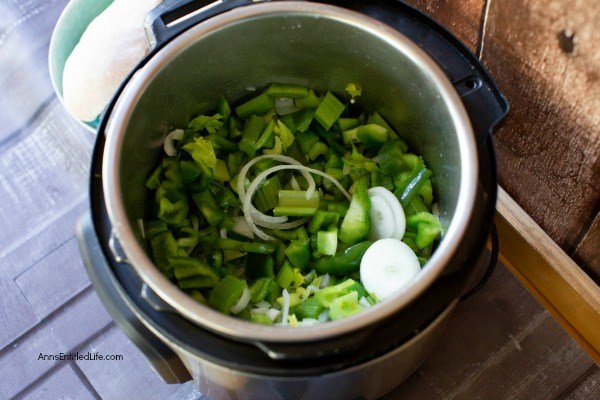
pixel 501 344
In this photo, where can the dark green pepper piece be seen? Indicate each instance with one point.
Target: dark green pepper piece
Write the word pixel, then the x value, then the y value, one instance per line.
pixel 343 262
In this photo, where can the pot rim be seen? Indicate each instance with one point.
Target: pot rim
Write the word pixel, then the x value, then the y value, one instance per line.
pixel 247 331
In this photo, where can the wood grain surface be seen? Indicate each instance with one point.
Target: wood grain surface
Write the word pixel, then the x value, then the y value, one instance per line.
pixel 587 252
pixel 462 18
pixel 544 55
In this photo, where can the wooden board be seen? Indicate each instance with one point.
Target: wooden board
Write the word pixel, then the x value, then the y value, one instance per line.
pixel 462 18
pixel 557 282
pixel 549 147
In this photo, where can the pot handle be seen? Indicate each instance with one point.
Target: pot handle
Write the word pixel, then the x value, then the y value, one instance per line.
pixel 172 17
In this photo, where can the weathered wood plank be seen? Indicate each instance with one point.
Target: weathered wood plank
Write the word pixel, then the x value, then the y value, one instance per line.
pixel 130 378
pixel 62 384
pixel 500 344
pixel 62 332
pixel 43 173
pixel 53 281
pixel 25 30
pixel 554 278
pixel 462 18
pixel 588 388
pixel 587 253
pixel 549 147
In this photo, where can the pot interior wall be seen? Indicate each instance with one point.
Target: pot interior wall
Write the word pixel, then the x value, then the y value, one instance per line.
pixel 321 53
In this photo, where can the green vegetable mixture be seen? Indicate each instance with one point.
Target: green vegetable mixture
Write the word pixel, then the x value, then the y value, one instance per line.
pixel 269 211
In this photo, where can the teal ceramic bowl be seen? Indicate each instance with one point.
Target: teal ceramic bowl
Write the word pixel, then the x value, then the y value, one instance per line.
pixel 73 21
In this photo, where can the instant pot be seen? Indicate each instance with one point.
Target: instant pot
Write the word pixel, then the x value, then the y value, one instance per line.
pixel 428 86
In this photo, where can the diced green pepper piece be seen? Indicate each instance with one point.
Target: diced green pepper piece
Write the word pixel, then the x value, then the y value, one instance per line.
pixel 298 253
pixel 205 198
pixel 197 295
pixel 428 228
pixel 153 228
pixel 227 293
pixel 298 121
pixel 376 118
pixel 153 180
pixel 260 266
pixel 323 219
pixel 426 192
pixel 285 276
pixel 316 150
pixel 329 110
pixel 343 262
pixel 164 246
pixel 213 216
pixel 309 308
pixel 226 198
pixel 259 289
pixel 327 241
pixel 258 105
pixel 357 222
pixel 247 247
pixel 412 185
pixel 327 295
pixel 173 207
pixel 187 267
pixel 390 156
pixel 287 90
pixel 372 135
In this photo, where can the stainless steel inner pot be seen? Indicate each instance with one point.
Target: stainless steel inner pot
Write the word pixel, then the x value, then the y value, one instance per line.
pixel 320 46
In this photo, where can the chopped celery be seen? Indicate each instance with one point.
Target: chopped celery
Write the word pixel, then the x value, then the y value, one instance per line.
pixel 223 108
pixel 252 131
pixel 247 247
pixel 208 123
pixel 297 198
pixel 287 138
pixel 226 293
pixel 327 295
pixel 287 90
pixel 345 306
pixel 256 106
pixel 220 171
pixel 203 154
pixel 295 211
pixel 310 101
pixel 347 123
pixel 329 110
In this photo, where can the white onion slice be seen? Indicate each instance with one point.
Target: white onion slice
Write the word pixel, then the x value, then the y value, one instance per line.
pixel 242 302
pixel 285 105
pixel 324 316
pixel 388 266
pixel 325 281
pixel 257 215
pixel 273 313
pixel 169 144
pixel 241 227
pixel 286 307
pixel 294 183
pixel 263 175
pixel 223 233
pixel 263 304
pixel 259 310
pixel 387 215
